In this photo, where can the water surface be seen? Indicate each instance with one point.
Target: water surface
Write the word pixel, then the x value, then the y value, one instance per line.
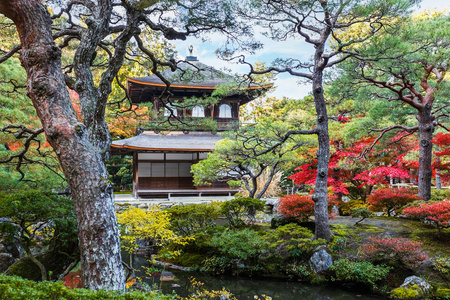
pixel 246 288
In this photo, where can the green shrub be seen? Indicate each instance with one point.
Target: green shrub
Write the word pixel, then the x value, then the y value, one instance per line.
pixel 345 208
pixel 195 251
pixel 292 241
pixel 14 287
pixel 337 245
pixel 299 271
pixel 217 264
pixel 442 294
pixel 40 218
pixel 187 219
pixel 241 244
pixel 362 213
pixel 363 272
pixel 189 259
pixel 442 266
pixel 235 210
pixel 439 195
pixel 287 232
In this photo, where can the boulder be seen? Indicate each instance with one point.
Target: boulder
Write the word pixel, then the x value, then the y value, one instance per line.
pixel 320 261
pixel 166 276
pixel 412 288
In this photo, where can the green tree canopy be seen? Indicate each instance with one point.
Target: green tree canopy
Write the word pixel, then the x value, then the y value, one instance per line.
pixel 406 68
pixel 243 156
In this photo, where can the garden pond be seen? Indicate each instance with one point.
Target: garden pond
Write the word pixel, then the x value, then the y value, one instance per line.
pixel 246 287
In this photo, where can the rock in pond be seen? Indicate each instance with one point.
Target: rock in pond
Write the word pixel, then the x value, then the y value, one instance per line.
pixel 320 261
pixel 166 276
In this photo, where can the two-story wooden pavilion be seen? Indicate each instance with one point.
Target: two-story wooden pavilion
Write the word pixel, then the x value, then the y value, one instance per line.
pixel 162 161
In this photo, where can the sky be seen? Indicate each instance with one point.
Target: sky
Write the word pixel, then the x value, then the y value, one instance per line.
pixel 286 85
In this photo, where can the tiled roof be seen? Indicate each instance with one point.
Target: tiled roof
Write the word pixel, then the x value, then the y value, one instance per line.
pixel 192 73
pixel 175 141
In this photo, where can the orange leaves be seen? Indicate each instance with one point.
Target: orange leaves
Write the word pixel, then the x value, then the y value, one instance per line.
pixel 14 146
pixel 124 124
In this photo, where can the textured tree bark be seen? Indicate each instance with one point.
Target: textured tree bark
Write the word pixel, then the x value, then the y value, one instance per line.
pixel 320 198
pixel 78 152
pixel 322 228
pixel 426 129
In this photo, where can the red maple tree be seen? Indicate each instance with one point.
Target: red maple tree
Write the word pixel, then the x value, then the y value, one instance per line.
pixel 397 250
pixel 438 213
pixel 296 206
pixel 301 207
pixel 348 167
pixel 391 200
pixel 440 163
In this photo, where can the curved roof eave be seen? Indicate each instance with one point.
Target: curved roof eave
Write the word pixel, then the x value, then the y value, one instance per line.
pixel 159 149
pixel 134 80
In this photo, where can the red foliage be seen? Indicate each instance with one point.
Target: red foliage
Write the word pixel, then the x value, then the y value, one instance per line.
pixel 378 175
pixel 440 163
pixel 308 172
pixel 438 212
pixel 342 119
pixel 397 250
pixel 14 146
pixel 442 140
pixel 374 168
pixel 390 200
pixel 73 279
pixel 296 206
pixel 302 207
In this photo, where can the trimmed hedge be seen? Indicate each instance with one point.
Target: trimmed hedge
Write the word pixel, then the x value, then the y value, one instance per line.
pixel 17 288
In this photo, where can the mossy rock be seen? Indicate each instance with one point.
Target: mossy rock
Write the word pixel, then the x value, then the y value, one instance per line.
pixel 442 294
pixel 404 293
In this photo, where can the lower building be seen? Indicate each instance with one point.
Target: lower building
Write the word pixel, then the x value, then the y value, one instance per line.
pixel 162 163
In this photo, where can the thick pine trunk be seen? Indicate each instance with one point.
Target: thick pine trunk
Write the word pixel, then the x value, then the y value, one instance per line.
pixel 80 159
pixel 426 129
pixel 322 230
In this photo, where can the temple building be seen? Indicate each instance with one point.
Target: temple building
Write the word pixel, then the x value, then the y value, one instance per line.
pixel 162 159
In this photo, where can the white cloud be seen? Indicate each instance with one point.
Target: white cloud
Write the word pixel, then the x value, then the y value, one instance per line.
pixel 287 86
pixel 431 4
pixel 290 87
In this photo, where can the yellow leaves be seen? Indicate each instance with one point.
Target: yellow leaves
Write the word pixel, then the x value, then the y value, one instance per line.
pixel 125 123
pixel 429 14
pixel 201 293
pixel 153 224
pixel 9 36
pixel 359 31
pixel 355 32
